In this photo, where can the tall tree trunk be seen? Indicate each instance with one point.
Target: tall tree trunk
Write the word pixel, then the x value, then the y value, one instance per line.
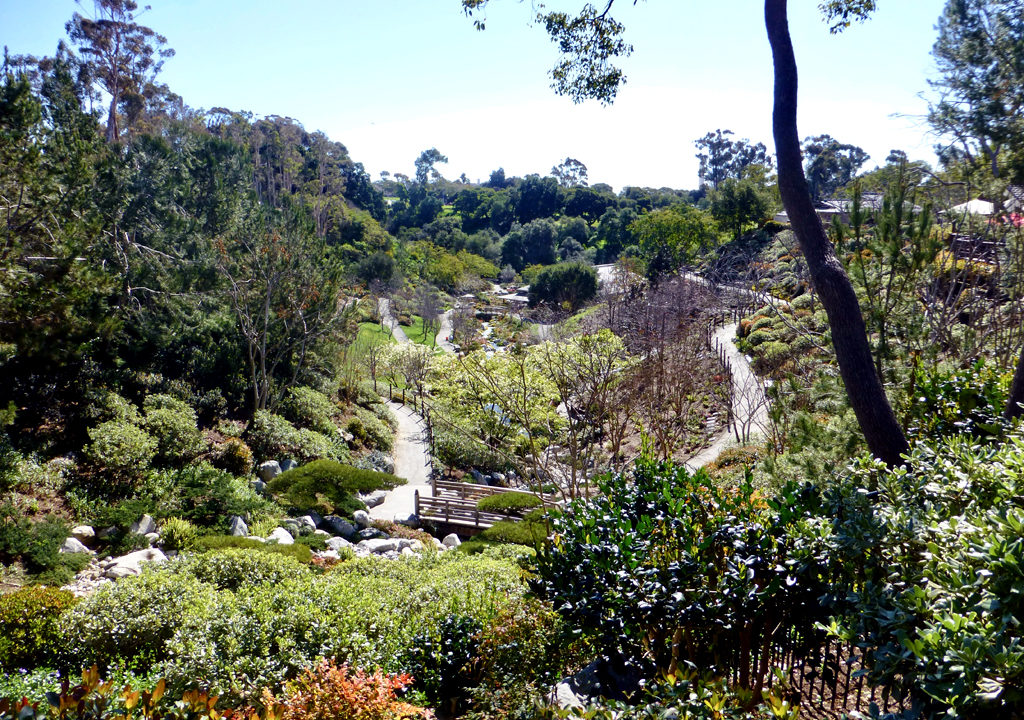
pixel 849 336
pixel 1015 403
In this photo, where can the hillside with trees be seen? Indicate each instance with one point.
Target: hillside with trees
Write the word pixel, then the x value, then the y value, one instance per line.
pixel 284 441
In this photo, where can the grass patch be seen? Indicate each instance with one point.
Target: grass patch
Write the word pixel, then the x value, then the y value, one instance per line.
pixel 418 334
pixel 370 333
pixel 302 553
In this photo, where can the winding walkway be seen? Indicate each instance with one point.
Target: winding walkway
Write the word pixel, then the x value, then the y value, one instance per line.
pixel 412 463
pixel 749 404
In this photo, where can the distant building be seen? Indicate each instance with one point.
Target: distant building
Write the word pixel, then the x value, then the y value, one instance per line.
pixel 841 208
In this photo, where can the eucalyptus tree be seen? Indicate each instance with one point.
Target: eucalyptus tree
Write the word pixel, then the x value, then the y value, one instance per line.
pixel 123 57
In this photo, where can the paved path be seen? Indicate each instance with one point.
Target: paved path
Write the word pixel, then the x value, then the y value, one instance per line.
pixel 412 462
pixel 384 308
pixel 444 331
pixel 749 405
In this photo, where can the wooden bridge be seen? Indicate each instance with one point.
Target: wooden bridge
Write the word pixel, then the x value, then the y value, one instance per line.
pixel 454 505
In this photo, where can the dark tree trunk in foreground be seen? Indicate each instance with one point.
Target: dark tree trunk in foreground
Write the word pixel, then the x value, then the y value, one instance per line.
pixel 849 336
pixel 1015 403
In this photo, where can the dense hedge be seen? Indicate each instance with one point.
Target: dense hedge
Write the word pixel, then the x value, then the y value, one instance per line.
pixel 510 503
pixel 28 626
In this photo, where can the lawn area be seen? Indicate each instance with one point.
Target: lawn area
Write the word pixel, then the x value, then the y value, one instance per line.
pixel 417 334
pixel 369 333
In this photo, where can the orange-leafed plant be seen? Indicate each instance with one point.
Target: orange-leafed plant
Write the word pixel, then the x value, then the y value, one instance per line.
pixel 336 692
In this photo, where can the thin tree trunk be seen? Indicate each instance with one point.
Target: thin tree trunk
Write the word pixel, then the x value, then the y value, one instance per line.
pixel 1015 402
pixel 849 335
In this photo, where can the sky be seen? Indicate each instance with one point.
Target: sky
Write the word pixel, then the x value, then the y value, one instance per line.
pixel 391 78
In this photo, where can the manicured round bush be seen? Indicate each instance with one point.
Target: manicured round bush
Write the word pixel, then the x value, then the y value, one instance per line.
pixel 121 450
pixel 510 503
pixel 177 434
pixel 28 626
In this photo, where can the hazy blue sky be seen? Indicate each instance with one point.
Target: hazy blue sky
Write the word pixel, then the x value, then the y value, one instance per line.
pixel 390 78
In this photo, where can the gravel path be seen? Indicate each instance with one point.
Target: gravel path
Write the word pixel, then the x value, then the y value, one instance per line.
pixel 412 462
pixel 749 405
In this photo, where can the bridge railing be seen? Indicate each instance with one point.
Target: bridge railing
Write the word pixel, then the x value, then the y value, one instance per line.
pixel 454 511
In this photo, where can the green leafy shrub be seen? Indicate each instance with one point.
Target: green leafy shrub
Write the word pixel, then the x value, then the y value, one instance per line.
pixel 120 450
pixel 771 356
pixel 131 620
pixel 661 554
pixel 178 534
pixel 363 612
pixel 530 531
pixel 36 545
pixel 968 401
pixel 234 568
pixel 938 609
pixel 298 552
pixel 313 542
pixel 28 626
pixel 272 437
pixel 328 487
pixel 206 496
pixel 375 432
pixel 174 425
pixel 316 446
pixel 510 503
pixel 355 428
pixel 306 407
pixel 443 661
pixel 234 456
pixel 454 449
pixel 10 460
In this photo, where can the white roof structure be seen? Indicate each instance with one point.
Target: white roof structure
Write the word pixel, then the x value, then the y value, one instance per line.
pixel 974 207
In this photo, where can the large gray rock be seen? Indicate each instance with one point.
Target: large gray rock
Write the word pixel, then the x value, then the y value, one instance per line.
pixel 451 541
pixel 131 564
pixel 268 470
pixel 143 526
pixel 281 537
pixel 74 545
pixel 259 486
pixel 307 525
pixel 374 498
pixel 371 534
pixel 338 544
pixel 152 538
pixel 287 465
pixel 381 545
pixel 339 526
pixel 362 518
pixel 407 519
pixel 237 527
pixel 478 477
pixel 83 533
pixel 315 517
